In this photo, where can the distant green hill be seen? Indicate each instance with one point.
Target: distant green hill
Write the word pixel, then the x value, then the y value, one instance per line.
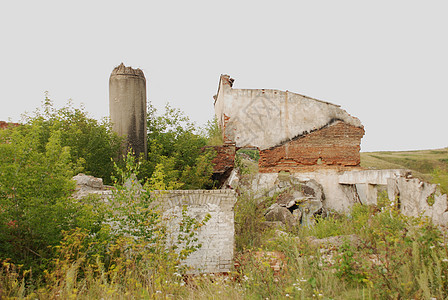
pixel 430 165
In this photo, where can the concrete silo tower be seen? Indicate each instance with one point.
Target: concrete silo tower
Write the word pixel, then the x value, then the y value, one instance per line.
pixel 127 106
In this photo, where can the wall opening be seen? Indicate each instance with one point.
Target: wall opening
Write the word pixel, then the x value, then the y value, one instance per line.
pixel 246 160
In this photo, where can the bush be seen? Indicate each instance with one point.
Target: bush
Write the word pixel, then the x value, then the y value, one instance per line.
pixel 129 255
pixel 35 190
pixel 92 144
pixel 175 147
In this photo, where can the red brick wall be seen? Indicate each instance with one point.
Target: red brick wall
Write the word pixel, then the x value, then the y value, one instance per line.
pixel 335 145
pixel 225 158
pixel 4 124
pixel 226 138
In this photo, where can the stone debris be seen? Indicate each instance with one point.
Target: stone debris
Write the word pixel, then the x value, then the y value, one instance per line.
pixel 232 181
pixel 276 260
pixel 89 185
pixel 296 202
pixel 279 213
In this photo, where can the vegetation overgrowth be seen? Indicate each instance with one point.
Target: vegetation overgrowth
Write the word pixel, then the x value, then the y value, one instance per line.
pixel 393 257
pixel 175 147
pixel 53 246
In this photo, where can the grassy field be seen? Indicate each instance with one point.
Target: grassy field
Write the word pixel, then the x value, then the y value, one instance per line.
pixel 422 161
pixel 430 165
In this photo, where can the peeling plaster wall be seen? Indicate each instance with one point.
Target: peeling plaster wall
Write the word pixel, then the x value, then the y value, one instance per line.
pixel 216 237
pixel 267 118
pixel 371 176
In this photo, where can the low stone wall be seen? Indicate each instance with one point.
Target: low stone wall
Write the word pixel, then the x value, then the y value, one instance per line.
pixel 216 237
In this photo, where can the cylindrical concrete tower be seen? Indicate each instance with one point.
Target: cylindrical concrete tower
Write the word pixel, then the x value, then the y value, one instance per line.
pixel 127 106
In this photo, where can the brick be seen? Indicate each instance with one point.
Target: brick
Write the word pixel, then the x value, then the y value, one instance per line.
pixel 224 159
pixel 335 145
pixel 4 124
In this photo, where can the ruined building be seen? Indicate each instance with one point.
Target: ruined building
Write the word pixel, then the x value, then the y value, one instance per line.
pixel 317 143
pixel 293 132
pixel 127 106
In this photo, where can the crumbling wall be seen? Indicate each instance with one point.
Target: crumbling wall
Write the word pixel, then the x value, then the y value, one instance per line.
pixel 336 144
pixel 4 125
pixel 418 198
pixel 216 237
pixel 267 118
pixel 289 129
pixel 224 159
pixel 367 183
pixel 341 190
pixel 335 195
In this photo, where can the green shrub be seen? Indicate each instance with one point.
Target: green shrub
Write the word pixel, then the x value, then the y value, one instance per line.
pixel 92 144
pixel 331 225
pixel 250 228
pixel 176 144
pixel 35 190
pixel 129 256
pixel 440 177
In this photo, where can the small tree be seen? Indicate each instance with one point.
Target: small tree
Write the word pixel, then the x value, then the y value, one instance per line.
pixel 92 144
pixel 35 189
pixel 175 146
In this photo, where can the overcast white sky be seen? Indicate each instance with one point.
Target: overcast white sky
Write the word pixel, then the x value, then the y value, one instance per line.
pixel 385 62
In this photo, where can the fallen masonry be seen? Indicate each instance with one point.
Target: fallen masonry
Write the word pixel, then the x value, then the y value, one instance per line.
pixel 338 191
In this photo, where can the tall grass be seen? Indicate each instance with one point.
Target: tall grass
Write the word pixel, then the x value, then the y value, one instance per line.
pixel 394 257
